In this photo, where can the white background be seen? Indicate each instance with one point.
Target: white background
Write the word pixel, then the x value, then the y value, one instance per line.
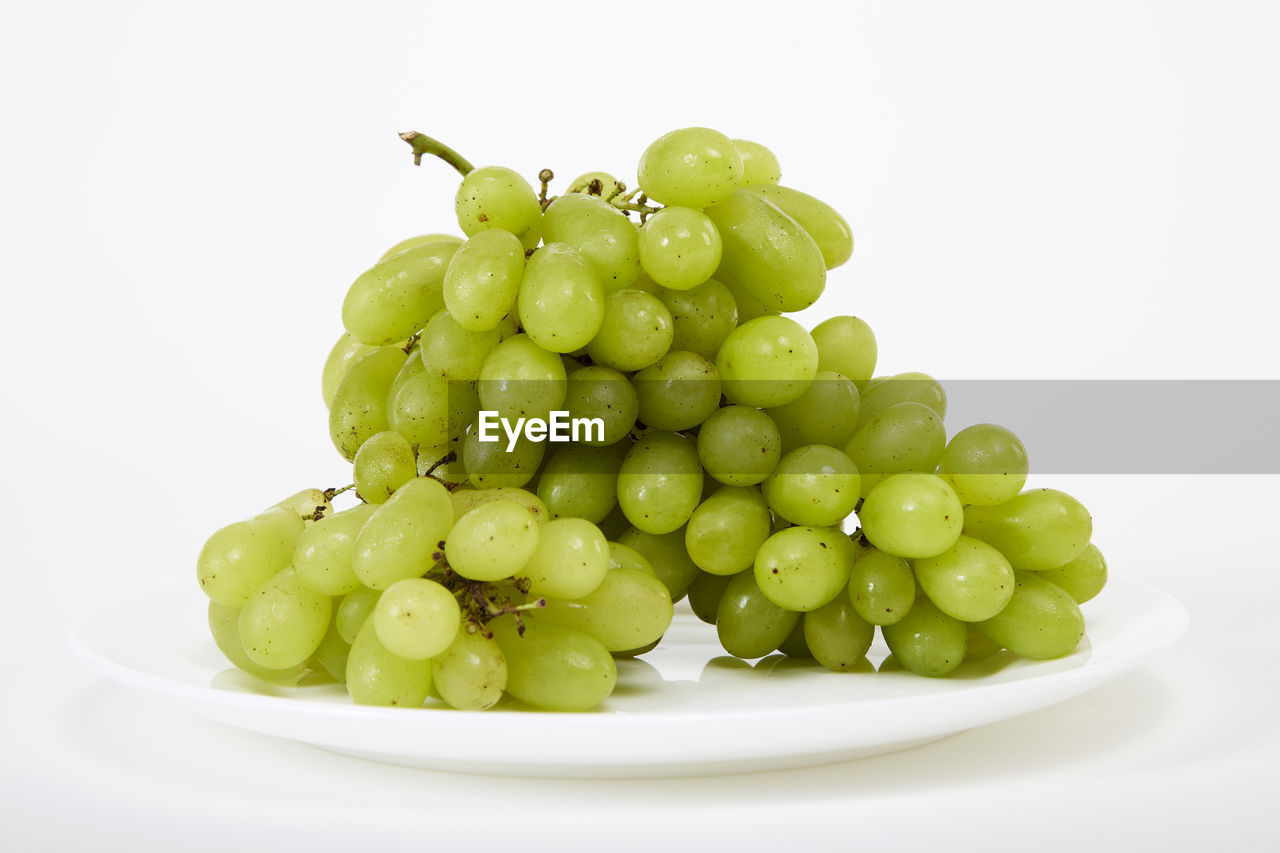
pixel 1065 190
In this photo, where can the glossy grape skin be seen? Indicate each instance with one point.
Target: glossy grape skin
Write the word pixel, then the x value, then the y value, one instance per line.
pixel 1042 621
pixel 759 164
pixel 323 554
pixel 826 226
pixel 768 362
pixel 402 537
pixel 238 559
pixel 427 409
pixel 522 380
pixel 705 593
pixel 353 610
pixel 636 331
pixel 970 581
pixel 748 623
pixel 346 351
pixel 471 674
pixel 596 391
pixel 836 636
pixel 1037 530
pixel 454 353
pixel 571 560
pixel 284 621
pixel 794 645
pixel 660 482
pixel 986 465
pixel 224 626
pixel 691 167
pixel 553 667
pixel 912 515
pixel 561 300
pixel 359 408
pixel 727 529
pixel 847 346
pixel 824 414
pixel 803 568
pixel 678 392
pixel 904 437
pixel 414 242
pixel 680 247
pixel 396 297
pixel 491 465
pixel 466 499
pixel 602 234
pixel 629 610
pixel 749 307
pixel 483 278
pixel 581 480
pixel 376 676
pixel 882 587
pixel 927 641
pixel 667 555
pixel 492 542
pixel 384 463
pixel 814 485
pixel 1083 577
pixel 767 253
pixel 497 197
pixel 701 317
pixel 881 393
pixel 416 618
pixel 739 445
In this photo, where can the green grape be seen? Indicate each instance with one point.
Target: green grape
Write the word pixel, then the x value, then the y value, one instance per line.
pixel 615 523
pixel 629 609
pixel 705 593
pixel 739 446
pixel 443 462
pixel 814 485
pixel 604 236
pixel 768 361
pixel 904 437
pixel 980 646
pixel 848 346
pixel 561 301
pixel 970 581
pixel 377 676
pixel 794 646
pixel 660 482
pixel 492 542
pixel 346 351
pixel 748 623
pixel 383 464
pixel 678 392
pixel 323 554
pixel 693 167
pixel 416 618
pixel 283 621
pixel 679 247
pixel 396 297
pixel 759 164
pixel 491 464
pixel 767 253
pixel 625 557
pixel 483 279
pixel 522 380
pixel 472 673
pixel 332 653
pixel 701 317
pixel 359 407
pixel 667 554
pixel 308 503
pixel 415 242
pixel 1042 621
pixel 601 392
pixel 986 464
pixel 553 667
pixel 1082 578
pixel 927 641
pixel 637 331
pixel 582 481
pixel 224 625
pixel 727 529
pixel 824 414
pixel 355 607
pixel 402 538
pixel 827 227
pixel 803 568
pixel 836 636
pixel 594 183
pixel 427 409
pixel 570 561
pixel 239 558
pixel 749 307
pixel 467 499
pixel 880 394
pixel 495 197
pixel 912 515
pixel 882 587
pixel 452 352
pixel 1037 530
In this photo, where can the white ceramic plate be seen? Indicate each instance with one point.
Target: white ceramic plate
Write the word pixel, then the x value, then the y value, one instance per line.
pixel 682 710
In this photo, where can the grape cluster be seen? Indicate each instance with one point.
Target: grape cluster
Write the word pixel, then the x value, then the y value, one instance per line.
pixel 755 466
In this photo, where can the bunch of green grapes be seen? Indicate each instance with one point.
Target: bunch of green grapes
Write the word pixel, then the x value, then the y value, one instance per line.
pixel 758 467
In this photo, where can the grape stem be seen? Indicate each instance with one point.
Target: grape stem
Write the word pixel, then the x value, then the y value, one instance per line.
pixel 330 494
pixel 423 144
